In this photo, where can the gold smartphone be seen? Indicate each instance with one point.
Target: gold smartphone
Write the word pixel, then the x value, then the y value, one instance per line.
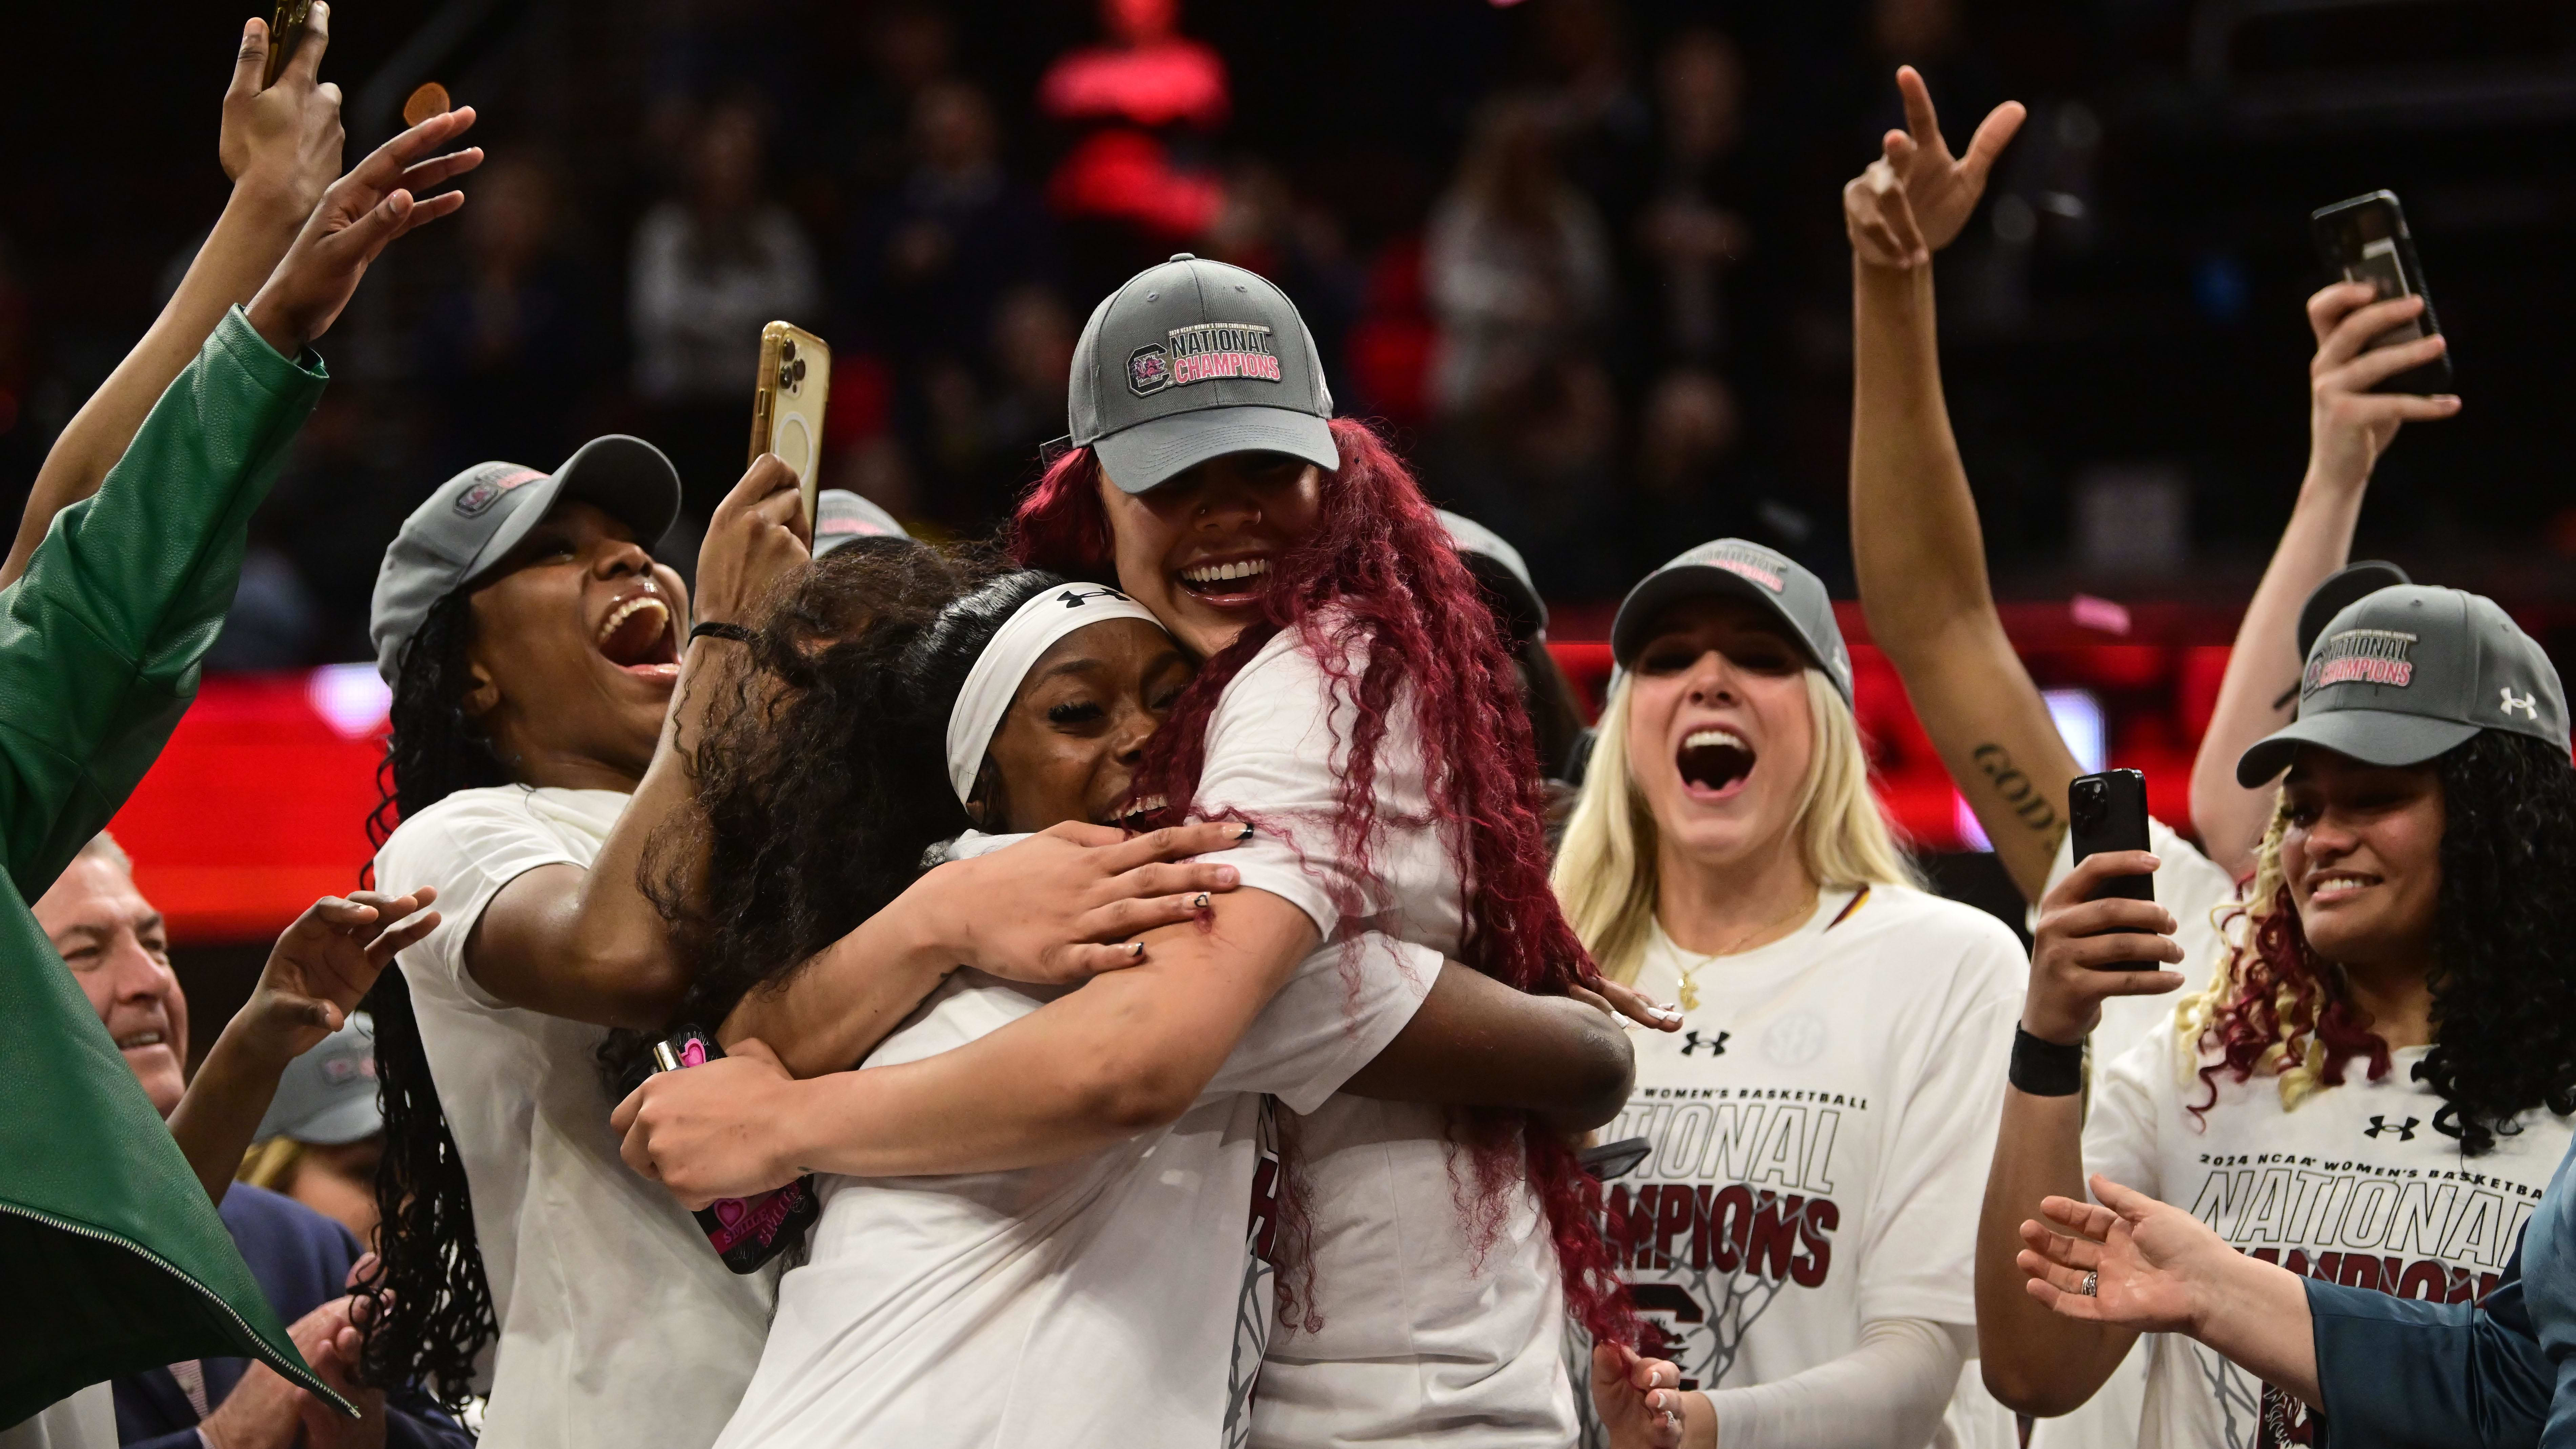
pixel 285 33
pixel 787 410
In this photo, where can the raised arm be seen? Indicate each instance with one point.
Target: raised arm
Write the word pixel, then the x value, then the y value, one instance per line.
pixel 281 147
pixel 2035 1362
pixel 100 640
pixel 2349 427
pixel 1125 1054
pixel 314 977
pixel 589 944
pixel 1915 539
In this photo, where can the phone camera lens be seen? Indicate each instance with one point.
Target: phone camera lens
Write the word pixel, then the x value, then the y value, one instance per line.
pixel 787 348
pixel 800 369
pixel 2084 802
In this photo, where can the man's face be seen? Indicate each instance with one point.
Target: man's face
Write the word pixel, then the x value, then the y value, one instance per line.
pixel 112 939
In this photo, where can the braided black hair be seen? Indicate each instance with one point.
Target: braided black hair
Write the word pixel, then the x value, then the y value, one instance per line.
pixel 439 1319
pixel 2504 986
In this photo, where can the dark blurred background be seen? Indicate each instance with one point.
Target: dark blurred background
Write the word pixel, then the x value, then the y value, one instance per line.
pixel 1583 257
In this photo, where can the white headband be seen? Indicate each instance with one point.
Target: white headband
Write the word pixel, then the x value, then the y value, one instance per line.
pixel 996 677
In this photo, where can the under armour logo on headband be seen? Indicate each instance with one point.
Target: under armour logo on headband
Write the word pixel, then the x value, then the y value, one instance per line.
pixel 2528 704
pixel 1076 598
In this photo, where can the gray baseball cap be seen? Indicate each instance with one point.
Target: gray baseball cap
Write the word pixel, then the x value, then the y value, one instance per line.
pixel 841 516
pixel 1192 360
pixel 328 1095
pixel 2405 673
pixel 1738 569
pixel 475 518
pixel 1499 567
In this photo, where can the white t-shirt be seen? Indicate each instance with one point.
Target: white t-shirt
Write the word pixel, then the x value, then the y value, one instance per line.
pixel 2199 893
pixel 619 1324
pixel 1822 1127
pixel 1421 1339
pixel 2355 1185
pixel 1115 1299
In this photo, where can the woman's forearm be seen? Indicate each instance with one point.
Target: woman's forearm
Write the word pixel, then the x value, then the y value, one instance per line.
pixel 833 1010
pixel 1127 1053
pixel 1475 1042
pixel 1892 1388
pixel 221 1111
pixel 1915 540
pixel 2259 691
pixel 258 224
pixel 2256 1314
pixel 2035 1361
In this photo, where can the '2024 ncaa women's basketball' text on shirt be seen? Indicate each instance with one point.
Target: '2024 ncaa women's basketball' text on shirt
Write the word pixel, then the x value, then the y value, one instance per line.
pixel 2358 1185
pixel 619 1326
pixel 1821 1131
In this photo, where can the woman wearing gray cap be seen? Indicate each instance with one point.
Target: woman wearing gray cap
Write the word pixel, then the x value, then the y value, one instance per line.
pixel 535 652
pixel 1356 705
pixel 1820 1128
pixel 2384 1079
pixel 1105 1276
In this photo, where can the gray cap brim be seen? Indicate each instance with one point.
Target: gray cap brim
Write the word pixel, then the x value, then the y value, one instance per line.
pixel 1146 456
pixel 626 477
pixel 1662 589
pixel 350 1119
pixel 2372 736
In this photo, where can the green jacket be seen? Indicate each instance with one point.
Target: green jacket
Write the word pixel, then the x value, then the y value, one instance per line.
pixel 111 1258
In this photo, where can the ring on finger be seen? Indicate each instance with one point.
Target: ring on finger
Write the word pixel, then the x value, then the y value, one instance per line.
pixel 2092 1285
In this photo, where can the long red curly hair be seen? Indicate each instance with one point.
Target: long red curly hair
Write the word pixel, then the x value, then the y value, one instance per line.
pixel 1378 580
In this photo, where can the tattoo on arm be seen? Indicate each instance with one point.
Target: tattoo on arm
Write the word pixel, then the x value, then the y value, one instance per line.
pixel 2018 792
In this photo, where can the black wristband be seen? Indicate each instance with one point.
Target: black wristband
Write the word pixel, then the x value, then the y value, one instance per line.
pixel 2045 1068
pixel 713 630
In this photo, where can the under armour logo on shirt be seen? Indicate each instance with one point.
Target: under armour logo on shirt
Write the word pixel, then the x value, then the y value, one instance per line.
pixel 2528 704
pixel 1692 1041
pixel 2405 1130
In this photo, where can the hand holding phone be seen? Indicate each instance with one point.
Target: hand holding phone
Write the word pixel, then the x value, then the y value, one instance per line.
pixel 2365 240
pixel 788 402
pixel 285 33
pixel 2108 811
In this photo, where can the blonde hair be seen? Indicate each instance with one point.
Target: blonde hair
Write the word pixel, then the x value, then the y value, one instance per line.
pixel 272 1164
pixel 1605 874
pixel 2296 1053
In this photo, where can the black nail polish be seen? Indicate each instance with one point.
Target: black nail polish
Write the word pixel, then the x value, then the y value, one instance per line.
pixel 1201 902
pixel 1245 833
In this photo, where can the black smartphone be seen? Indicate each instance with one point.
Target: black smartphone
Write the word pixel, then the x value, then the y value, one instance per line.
pixel 2365 240
pixel 1615 1159
pixel 2108 811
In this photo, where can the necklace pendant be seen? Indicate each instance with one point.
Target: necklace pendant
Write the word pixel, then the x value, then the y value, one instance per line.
pixel 1689 995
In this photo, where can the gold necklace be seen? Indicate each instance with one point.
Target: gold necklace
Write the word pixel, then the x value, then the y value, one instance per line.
pixel 1690 987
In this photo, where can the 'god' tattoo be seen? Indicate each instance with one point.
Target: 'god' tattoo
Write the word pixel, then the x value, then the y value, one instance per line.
pixel 2019 794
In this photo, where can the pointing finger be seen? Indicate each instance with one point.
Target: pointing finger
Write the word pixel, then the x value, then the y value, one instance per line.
pixel 1920 118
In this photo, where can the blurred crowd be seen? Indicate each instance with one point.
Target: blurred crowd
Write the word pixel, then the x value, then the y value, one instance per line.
pixel 1569 286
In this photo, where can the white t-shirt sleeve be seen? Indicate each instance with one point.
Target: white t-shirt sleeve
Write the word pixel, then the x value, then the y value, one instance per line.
pixel 2133 1094
pixel 1920 1261
pixel 1275 749
pixel 468 846
pixel 1339 1010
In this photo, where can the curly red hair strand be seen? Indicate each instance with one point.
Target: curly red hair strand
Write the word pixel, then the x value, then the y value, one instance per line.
pixel 1378 595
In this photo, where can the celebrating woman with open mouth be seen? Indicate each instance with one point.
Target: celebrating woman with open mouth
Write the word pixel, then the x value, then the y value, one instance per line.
pixel 1820 1127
